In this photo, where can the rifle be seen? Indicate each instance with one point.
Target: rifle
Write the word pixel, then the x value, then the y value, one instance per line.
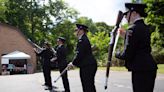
pixel 67 68
pixel 35 45
pixel 61 74
pixel 40 49
pixel 111 45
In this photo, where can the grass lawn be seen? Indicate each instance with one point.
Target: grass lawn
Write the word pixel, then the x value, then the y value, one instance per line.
pixel 114 68
pixel 160 68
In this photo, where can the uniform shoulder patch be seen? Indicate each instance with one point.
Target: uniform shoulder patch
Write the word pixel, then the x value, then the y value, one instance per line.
pixel 130 32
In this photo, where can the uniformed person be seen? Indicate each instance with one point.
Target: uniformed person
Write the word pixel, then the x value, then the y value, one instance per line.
pixel 62 62
pixel 85 60
pixel 46 54
pixel 137 52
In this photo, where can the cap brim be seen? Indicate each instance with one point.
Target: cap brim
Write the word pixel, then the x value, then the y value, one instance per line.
pixel 76 29
pixel 125 13
pixel 139 8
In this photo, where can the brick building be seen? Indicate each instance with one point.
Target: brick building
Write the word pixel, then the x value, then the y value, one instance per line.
pixel 12 39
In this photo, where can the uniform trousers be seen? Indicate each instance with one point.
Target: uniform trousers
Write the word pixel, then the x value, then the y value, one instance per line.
pixel 47 76
pixel 143 81
pixel 87 75
pixel 65 79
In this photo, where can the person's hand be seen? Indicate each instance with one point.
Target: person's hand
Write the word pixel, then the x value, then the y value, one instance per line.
pixel 70 66
pixel 35 49
pixel 120 55
pixel 122 32
pixel 53 59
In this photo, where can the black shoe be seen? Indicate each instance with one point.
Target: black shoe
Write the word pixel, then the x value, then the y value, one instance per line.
pixel 55 87
pixel 44 85
pixel 48 88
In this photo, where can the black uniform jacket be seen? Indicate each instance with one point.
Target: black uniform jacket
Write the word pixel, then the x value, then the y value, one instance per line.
pixel 84 56
pixel 138 51
pixel 61 56
pixel 46 55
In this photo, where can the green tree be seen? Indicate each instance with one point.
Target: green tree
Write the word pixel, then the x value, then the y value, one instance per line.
pixel 2 10
pixel 65 29
pixel 102 26
pixel 37 21
pixel 155 19
pixel 88 22
pixel 100 40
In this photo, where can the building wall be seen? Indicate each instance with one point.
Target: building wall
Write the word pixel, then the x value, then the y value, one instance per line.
pixel 11 39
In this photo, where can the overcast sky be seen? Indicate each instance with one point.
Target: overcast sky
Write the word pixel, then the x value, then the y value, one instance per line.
pixel 99 10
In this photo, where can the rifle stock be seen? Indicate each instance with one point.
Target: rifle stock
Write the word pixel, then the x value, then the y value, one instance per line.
pixel 35 45
pixel 111 45
pixel 119 18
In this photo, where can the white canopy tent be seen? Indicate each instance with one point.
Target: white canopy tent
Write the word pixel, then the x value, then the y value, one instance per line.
pixel 14 55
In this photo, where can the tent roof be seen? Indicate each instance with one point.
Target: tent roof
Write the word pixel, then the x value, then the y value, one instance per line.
pixel 16 55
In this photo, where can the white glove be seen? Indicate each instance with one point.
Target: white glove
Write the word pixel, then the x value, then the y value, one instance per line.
pixel 70 66
pixel 53 59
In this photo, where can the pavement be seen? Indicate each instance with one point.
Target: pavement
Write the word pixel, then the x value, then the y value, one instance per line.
pixel 118 82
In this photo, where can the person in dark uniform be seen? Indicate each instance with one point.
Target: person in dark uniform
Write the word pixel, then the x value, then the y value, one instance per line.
pixel 46 54
pixel 137 50
pixel 61 53
pixel 84 59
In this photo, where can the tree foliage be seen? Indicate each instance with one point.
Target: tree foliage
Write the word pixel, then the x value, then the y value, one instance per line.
pixel 155 19
pixel 102 26
pixel 88 22
pixel 41 21
pixel 35 19
pixel 99 42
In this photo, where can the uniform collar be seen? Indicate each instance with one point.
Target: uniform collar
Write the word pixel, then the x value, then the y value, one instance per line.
pixel 137 19
pixel 60 45
pixel 80 36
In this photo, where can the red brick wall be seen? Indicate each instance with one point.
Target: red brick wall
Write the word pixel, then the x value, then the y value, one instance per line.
pixel 11 39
